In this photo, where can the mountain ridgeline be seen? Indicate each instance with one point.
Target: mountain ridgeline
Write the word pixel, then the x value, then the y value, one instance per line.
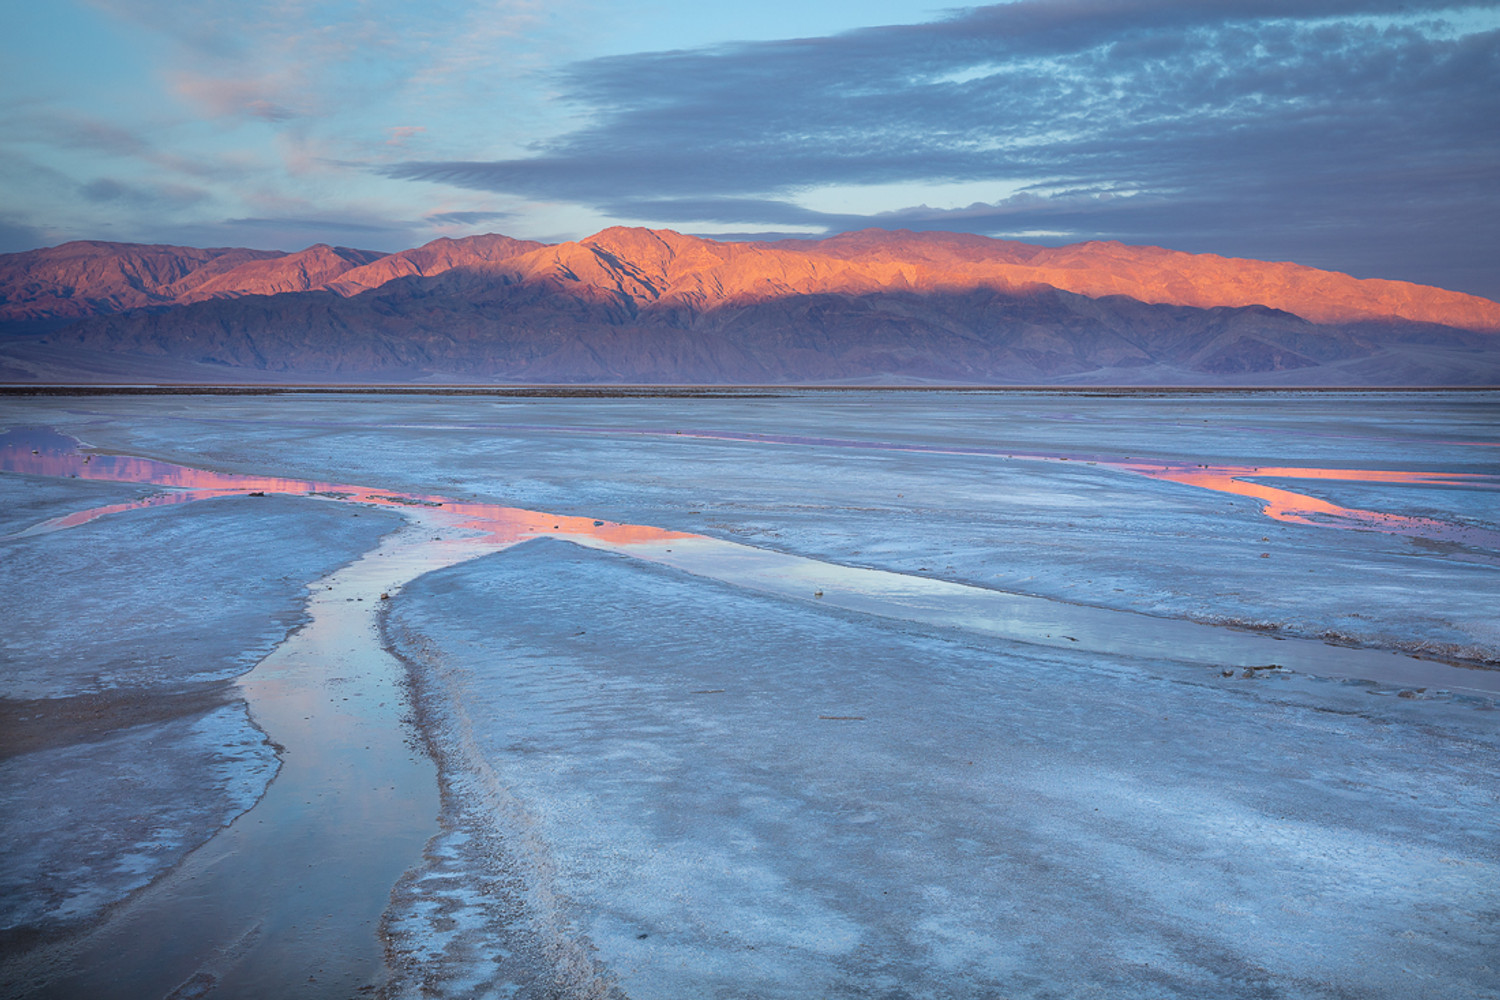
pixel 654 306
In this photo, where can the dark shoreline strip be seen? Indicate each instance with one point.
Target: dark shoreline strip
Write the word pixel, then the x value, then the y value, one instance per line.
pixel 573 391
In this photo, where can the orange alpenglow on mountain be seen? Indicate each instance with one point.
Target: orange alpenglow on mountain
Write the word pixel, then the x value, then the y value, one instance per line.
pixel 661 266
pixel 656 307
pixel 303 271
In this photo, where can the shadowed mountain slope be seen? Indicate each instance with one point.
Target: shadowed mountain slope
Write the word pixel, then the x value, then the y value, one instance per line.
pixel 637 305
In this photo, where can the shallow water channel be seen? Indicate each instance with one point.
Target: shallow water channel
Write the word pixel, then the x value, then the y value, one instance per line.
pixel 288 899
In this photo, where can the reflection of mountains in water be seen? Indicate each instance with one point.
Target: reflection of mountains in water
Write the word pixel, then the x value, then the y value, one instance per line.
pixel 635 305
pixel 45 452
pixel 40 451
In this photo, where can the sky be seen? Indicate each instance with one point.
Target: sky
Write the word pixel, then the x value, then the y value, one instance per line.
pixel 1356 135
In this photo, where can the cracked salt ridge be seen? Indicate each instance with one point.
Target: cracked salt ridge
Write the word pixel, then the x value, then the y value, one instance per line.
pixel 881 592
pixel 1044 621
pixel 1008 820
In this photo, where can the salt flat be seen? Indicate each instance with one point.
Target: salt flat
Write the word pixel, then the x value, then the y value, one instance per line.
pixel 659 782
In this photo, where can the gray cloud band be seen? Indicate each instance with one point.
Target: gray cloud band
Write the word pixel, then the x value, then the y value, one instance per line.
pixel 1299 118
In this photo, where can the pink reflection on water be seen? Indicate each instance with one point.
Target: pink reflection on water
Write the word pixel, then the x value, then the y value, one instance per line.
pixel 506 525
pixel 1291 507
pixel 1277 503
pixel 42 452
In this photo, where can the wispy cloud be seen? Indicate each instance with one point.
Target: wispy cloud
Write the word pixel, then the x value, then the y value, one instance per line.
pixel 260 62
pixel 166 196
pixel 81 132
pixel 400 135
pixel 1351 133
pixel 278 110
pixel 483 29
pixel 100 139
pixel 465 218
pixel 294 232
pixel 318 224
pixel 266 97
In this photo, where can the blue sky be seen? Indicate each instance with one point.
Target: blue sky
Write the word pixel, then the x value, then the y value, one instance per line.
pixel 1357 136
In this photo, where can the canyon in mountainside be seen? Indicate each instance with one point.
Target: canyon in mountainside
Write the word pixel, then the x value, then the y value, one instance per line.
pixel 654 306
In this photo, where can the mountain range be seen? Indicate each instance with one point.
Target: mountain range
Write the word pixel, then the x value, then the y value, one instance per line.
pixel 653 306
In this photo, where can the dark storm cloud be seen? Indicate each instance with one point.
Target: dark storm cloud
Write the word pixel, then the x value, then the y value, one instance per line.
pixel 1310 130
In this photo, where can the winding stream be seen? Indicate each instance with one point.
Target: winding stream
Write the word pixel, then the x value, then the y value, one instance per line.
pixel 287 900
